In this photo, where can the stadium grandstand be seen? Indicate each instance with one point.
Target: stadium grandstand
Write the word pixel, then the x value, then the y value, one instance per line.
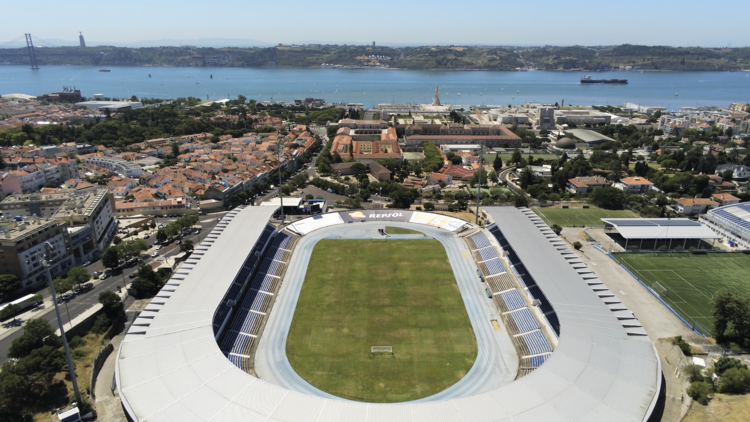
pixel 731 222
pixel 585 356
pixel 649 234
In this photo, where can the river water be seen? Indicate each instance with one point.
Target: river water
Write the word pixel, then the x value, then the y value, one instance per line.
pixel 668 89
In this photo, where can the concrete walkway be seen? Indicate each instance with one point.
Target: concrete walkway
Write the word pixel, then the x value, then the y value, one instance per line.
pixel 108 405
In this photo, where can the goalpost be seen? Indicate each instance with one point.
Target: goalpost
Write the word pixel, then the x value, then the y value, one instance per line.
pixel 660 289
pixel 381 350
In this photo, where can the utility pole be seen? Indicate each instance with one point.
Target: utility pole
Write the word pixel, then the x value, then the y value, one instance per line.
pixel 71 368
pixel 479 182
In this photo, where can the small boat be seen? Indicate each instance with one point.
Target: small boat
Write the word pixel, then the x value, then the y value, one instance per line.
pixel 104 69
pixel 149 75
pixel 212 76
pixel 459 94
pixel 676 94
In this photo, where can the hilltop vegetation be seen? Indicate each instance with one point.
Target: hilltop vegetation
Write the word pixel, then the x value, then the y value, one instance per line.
pixel 426 57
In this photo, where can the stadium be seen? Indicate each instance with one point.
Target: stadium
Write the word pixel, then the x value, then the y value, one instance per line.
pixel 550 341
pixel 731 222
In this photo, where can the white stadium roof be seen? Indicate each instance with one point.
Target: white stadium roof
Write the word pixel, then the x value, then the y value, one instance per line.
pixel 170 368
pixel 659 228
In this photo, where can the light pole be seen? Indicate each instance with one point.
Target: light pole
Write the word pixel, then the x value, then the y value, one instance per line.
pixel 281 191
pixel 71 368
pixel 479 182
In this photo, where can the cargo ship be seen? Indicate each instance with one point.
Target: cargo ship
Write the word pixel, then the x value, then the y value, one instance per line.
pixel 587 80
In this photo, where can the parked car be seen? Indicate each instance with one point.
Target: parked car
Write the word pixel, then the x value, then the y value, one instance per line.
pixel 87 286
pixel 104 277
pixel 132 275
pixel 159 247
pixel 67 296
pixel 155 254
pixel 145 236
pixel 178 242
pixel 87 263
pixel 97 273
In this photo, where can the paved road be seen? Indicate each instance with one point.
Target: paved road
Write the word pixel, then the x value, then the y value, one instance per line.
pixel 496 363
pixel 81 304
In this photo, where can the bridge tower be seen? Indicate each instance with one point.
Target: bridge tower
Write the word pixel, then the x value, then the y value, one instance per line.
pixel 32 53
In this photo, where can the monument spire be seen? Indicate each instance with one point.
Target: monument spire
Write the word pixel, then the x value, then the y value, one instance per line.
pixel 436 98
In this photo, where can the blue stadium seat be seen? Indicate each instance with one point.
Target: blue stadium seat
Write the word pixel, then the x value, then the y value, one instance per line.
pixel 537 361
pixel 487 253
pixel 495 266
pixel 513 300
pixel 524 320
pixel 536 342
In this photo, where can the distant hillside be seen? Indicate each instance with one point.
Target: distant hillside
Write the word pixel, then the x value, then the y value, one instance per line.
pixel 429 57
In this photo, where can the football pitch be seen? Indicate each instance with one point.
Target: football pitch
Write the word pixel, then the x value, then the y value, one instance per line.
pixel 687 282
pixel 363 293
pixel 579 217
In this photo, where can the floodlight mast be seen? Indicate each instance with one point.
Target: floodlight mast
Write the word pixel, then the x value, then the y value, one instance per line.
pixel 71 368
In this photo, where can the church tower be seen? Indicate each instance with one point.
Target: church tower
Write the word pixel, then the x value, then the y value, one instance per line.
pixel 436 98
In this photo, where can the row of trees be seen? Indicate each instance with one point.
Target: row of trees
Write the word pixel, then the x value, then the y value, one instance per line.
pixel 176 227
pixel 75 277
pixel 119 253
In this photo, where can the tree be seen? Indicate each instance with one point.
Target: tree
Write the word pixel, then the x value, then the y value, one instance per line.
pixel 62 285
pixel 117 240
pixel 694 373
pixel 701 392
pixel 429 206
pixel 498 163
pixel 359 168
pixel 147 283
pixel 111 257
pixel 516 157
pixel 734 309
pixel 161 235
pixel 735 381
pixel 36 333
pixel 186 245
pixel 493 177
pixel 79 275
pixel 725 363
pixel 577 245
pixel 608 198
pixel 111 305
pixel 526 178
pixel 9 283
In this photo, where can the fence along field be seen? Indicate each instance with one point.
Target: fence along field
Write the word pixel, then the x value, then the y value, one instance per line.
pixel 578 216
pixel 380 321
pixel 687 282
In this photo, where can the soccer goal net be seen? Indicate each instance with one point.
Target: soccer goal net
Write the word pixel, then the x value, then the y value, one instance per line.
pixel 381 349
pixel 660 289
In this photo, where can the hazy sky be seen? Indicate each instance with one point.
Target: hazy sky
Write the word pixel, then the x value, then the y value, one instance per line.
pixel 418 22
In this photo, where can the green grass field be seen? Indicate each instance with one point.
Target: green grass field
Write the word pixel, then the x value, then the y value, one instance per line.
pixel 400 230
pixel 687 282
pixel 363 293
pixel 579 217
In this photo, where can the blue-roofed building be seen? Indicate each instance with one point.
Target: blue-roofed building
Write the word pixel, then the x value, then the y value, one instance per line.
pixel 731 222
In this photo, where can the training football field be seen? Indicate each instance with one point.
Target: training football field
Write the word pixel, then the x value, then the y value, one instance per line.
pixel 363 293
pixel 579 217
pixel 688 282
